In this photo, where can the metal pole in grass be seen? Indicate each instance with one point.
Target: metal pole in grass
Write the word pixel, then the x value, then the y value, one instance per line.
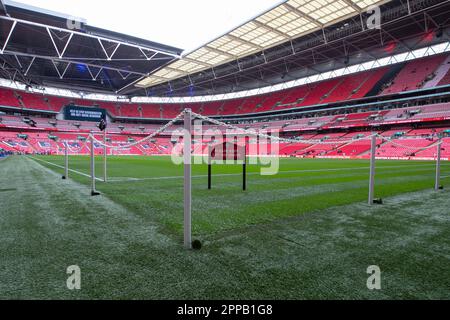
pixel 244 170
pixel 438 166
pixel 93 190
pixel 187 179
pixel 105 150
pixel 372 169
pixel 66 161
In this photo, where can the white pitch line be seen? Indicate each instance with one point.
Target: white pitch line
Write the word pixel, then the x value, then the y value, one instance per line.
pixel 257 173
pixel 71 170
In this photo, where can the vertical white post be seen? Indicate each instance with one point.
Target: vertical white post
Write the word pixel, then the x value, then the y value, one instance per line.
pixel 373 150
pixel 187 179
pixel 438 166
pixel 66 161
pixel 93 191
pixel 105 150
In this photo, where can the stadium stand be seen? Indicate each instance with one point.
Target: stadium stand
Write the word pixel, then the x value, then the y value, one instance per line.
pixel 427 72
pixel 415 74
pixel 441 76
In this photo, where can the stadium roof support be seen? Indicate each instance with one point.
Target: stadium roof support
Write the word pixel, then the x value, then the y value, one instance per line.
pixel 65 50
pixel 148 52
pixel 285 22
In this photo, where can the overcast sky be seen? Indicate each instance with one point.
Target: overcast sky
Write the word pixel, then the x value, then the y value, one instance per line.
pixel 186 24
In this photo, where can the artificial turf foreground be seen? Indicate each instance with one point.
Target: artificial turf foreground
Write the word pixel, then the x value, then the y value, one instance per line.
pixel 304 233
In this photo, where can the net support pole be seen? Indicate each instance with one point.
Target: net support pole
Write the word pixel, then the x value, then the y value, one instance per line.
pixel 209 168
pixel 105 156
pixel 372 170
pixel 438 167
pixel 93 189
pixel 244 171
pixel 187 179
pixel 66 161
pixel 209 176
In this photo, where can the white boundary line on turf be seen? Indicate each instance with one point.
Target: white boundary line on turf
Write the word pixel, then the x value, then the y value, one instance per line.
pixel 257 173
pixel 71 170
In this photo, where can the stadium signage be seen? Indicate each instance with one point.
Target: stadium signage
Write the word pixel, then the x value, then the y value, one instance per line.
pixel 77 113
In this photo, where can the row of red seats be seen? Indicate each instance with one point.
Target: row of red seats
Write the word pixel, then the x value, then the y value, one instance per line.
pixel 353 86
pixel 324 92
pixel 415 73
pixel 412 144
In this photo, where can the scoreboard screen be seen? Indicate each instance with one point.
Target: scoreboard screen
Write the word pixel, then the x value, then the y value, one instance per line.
pixel 77 113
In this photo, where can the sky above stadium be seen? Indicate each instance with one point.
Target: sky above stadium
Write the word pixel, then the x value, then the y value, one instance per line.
pixel 186 24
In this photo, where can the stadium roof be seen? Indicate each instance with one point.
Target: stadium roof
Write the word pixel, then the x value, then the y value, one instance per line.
pixel 42 47
pixel 289 20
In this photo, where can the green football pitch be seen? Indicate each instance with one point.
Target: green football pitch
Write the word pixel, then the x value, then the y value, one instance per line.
pixel 305 232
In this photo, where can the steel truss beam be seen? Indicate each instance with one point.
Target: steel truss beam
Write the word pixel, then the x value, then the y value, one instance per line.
pixel 51 59
pixel 62 44
pixel 86 35
pixel 294 53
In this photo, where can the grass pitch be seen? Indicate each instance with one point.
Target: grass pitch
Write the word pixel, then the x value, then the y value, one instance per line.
pixel 153 185
pixel 304 233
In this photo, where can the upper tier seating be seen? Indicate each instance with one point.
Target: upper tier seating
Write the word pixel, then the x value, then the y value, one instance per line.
pixel 446 79
pixel 441 75
pixel 34 101
pixel 415 73
pixel 8 98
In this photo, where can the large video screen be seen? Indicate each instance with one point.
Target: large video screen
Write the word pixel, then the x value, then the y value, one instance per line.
pixel 78 113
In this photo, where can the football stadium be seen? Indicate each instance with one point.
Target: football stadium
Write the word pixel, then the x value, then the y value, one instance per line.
pixel 301 155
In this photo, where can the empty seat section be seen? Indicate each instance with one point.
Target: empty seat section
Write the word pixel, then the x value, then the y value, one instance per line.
pixel 109 106
pixel 414 74
pixel 291 96
pixel 346 88
pixel 249 105
pixel 8 99
pixel 129 110
pixel 212 108
pixel 151 111
pixel 231 106
pixel 402 148
pixel 57 103
pixel 316 95
pixel 272 101
pixel 374 77
pixel 170 111
pixel 445 80
pixel 34 101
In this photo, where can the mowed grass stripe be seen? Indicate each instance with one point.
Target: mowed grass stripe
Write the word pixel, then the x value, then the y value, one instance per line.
pixel 49 224
pixel 303 185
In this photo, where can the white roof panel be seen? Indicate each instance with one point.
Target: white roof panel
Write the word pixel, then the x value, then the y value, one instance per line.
pixel 289 20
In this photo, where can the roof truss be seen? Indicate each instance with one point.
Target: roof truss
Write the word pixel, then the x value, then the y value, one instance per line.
pixel 285 22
